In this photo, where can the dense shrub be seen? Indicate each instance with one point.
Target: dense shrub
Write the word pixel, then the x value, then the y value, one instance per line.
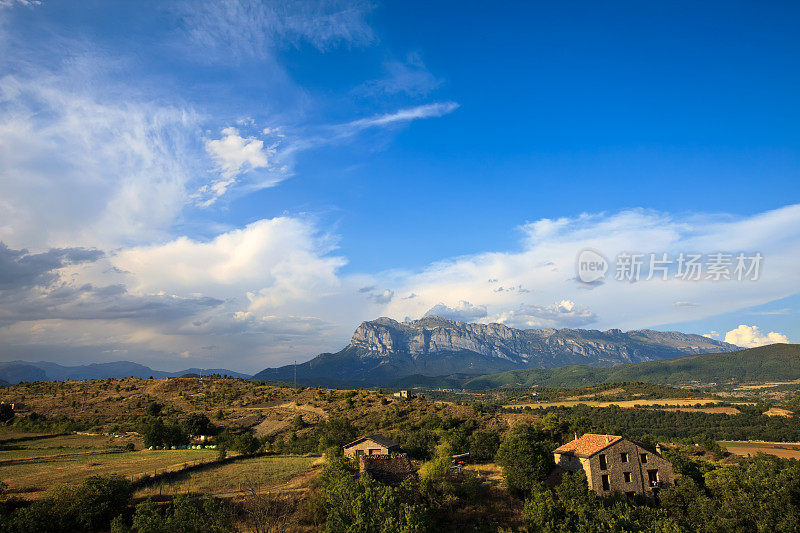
pixel 365 505
pixel 183 515
pixel 89 506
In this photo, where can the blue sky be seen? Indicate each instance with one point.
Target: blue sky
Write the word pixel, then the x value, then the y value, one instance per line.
pixel 241 183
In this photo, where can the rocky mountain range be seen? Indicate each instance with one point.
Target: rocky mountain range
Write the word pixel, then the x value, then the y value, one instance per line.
pixel 383 351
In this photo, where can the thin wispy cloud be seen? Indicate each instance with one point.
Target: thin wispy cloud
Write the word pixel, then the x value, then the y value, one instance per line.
pixel 438 109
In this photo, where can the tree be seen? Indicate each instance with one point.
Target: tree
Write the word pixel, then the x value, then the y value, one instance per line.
pixel 525 457
pixel 6 412
pixel 197 424
pixel 483 445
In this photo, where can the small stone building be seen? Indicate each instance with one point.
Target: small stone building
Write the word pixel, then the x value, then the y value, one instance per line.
pixel 613 464
pixel 370 445
pixel 390 469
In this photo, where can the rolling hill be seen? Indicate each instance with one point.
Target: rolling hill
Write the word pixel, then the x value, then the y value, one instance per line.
pixel 17 371
pixel 775 362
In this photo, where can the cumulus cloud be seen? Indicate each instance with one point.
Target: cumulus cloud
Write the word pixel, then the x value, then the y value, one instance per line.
pixel 463 311
pixel 20 269
pixel 272 260
pixel 556 315
pixel 546 261
pixel 751 337
pixel 43 286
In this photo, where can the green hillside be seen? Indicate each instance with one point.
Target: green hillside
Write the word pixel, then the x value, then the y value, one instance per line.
pixel 776 362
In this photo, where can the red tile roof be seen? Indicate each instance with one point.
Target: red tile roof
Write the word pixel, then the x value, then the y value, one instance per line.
pixel 589 444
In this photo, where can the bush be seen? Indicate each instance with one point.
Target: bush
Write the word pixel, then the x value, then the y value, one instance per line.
pixel 184 515
pixel 89 506
pixel 154 409
pixel 366 505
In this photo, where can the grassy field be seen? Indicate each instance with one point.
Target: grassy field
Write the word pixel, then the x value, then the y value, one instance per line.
pixel 32 479
pixel 745 448
pixel 43 446
pixel 260 473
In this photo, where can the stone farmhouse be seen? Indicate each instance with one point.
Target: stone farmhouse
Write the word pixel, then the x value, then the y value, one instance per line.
pixel 370 445
pixel 613 464
pixel 381 458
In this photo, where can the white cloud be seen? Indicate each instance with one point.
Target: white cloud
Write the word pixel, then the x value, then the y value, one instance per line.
pixel 751 337
pixel 545 267
pixel 24 3
pixel 236 30
pixel 272 260
pixel 409 76
pixel 463 311
pixel 234 155
pixel 556 315
pixel 404 115
pixel 77 170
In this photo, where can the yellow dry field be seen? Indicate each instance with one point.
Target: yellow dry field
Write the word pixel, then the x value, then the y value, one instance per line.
pixel 777 411
pixel 272 473
pixel 688 402
pixel 779 449
pixel 32 479
pixel 768 385
pixel 711 410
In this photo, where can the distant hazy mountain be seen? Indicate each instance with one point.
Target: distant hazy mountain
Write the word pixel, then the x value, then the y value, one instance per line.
pixel 382 351
pixel 16 371
pixel 775 362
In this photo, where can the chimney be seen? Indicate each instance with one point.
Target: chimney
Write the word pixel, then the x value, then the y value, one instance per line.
pixel 658 448
pixel 608 439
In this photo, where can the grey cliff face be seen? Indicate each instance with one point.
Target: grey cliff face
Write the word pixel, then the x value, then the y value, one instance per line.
pixel 429 336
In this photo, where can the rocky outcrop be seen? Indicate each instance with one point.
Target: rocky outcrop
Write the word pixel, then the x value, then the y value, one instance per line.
pixel 384 350
pixel 531 347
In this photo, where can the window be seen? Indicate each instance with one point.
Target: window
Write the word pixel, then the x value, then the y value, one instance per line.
pixel 652 477
pixel 643 457
pixel 375 451
pixel 627 476
pixel 603 463
pixel 624 457
pixel 606 485
pixel 630 494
